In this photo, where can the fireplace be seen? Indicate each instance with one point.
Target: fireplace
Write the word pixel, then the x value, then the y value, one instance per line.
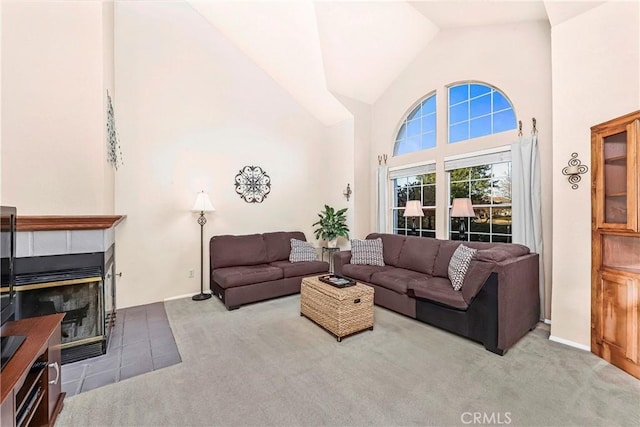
pixel 79 285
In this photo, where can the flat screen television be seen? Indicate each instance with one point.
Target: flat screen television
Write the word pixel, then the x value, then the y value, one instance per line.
pixel 8 344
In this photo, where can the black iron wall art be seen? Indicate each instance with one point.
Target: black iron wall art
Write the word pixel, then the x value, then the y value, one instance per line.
pixel 253 184
pixel 114 152
pixel 574 169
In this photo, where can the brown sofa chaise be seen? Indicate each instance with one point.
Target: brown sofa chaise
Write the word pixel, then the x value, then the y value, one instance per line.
pixel 497 305
pixel 256 267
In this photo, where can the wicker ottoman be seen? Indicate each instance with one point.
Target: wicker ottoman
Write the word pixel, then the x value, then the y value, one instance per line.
pixel 341 311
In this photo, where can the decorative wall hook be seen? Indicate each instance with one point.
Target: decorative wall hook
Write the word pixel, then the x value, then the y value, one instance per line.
pixel 347 192
pixel 574 170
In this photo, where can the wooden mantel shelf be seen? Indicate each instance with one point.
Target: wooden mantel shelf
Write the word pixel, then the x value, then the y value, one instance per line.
pixel 66 222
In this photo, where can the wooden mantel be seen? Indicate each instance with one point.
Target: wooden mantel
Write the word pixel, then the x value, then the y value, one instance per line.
pixel 67 222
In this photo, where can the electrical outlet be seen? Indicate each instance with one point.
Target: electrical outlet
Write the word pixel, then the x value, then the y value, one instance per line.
pixel 191 273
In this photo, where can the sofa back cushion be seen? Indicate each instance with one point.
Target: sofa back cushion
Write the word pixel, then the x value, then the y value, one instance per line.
pixel 391 246
pixel 419 254
pixel 445 252
pixel 279 244
pixel 489 252
pixel 231 251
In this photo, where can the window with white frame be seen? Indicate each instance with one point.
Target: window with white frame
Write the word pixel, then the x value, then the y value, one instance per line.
pixel 486 180
pixel 414 183
pixel 418 129
pixel 476 110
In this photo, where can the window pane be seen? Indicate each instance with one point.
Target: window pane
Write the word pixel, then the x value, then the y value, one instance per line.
pixel 429 123
pixel 429 234
pixel 400 221
pixel 416 112
pixel 412 144
pixel 478 89
pixel 499 101
pixel 429 105
pixel 430 178
pixel 504 120
pixel 415 193
pixel 473 237
pixel 401 197
pixel 480 172
pixel 481 106
pixel 413 128
pixel 459 132
pixel 459 113
pixel 482 221
pixel 461 174
pixel 480 127
pixel 428 221
pixel 481 192
pixel 458 94
pixel 428 140
pixel 501 238
pixel 459 190
pixel 502 170
pixel 501 220
pixel 402 132
pixel 501 191
pixel 429 196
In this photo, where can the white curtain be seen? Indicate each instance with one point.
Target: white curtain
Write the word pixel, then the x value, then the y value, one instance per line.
pixel 381 214
pixel 527 201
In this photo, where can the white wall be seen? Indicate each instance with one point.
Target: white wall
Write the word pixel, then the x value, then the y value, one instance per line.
pixel 596 77
pixel 516 59
pixel 53 148
pixel 192 110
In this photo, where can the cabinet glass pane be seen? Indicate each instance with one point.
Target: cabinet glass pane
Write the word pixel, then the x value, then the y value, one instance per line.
pixel 621 253
pixel 615 178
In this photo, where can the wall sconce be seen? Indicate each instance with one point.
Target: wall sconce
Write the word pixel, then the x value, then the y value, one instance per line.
pixel 347 192
pixel 574 170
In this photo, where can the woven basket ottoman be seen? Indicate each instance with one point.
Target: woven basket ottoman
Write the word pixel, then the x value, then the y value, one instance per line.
pixel 341 311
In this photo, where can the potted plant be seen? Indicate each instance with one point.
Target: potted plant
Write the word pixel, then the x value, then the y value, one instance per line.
pixel 332 224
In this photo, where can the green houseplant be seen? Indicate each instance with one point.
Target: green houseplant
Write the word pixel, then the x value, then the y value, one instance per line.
pixel 331 225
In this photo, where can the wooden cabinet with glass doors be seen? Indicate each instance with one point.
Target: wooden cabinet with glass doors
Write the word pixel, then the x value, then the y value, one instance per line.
pixel 615 276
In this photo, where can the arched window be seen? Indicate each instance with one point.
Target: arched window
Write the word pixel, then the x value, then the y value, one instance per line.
pixel 476 109
pixel 418 130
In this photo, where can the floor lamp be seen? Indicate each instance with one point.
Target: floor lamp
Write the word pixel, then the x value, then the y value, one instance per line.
pixel 462 208
pixel 202 205
pixel 413 210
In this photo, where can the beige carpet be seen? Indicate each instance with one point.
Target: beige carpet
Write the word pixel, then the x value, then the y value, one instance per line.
pixel 264 365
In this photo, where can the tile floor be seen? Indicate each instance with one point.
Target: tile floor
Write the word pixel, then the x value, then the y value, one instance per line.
pixel 141 341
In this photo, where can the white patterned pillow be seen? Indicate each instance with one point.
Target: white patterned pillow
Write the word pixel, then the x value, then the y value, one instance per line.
pixel 302 251
pixel 368 251
pixel 459 265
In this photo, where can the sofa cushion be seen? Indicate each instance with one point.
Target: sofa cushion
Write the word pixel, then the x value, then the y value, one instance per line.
pixel 395 279
pixel 279 244
pixel 437 289
pixel 362 272
pixel 502 252
pixel 302 251
pixel 230 251
pixel 445 252
pixel 419 254
pixel 230 277
pixel 304 268
pixel 391 246
pixel 368 252
pixel 477 274
pixel 459 265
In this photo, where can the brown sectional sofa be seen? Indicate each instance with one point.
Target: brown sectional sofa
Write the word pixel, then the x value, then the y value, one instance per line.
pixel 255 267
pixel 497 305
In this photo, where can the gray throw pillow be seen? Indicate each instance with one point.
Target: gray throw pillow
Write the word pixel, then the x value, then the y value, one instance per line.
pixel 367 252
pixel 459 265
pixel 302 251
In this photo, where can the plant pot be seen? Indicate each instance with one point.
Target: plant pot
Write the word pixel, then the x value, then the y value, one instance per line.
pixel 333 243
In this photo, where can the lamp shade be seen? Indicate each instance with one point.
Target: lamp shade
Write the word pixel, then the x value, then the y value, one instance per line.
pixel 413 208
pixel 202 204
pixel 462 208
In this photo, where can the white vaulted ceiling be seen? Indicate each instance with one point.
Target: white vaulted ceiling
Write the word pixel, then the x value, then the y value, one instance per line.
pixel 354 48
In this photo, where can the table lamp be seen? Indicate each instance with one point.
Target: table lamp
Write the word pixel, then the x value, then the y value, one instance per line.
pixel 413 210
pixel 462 208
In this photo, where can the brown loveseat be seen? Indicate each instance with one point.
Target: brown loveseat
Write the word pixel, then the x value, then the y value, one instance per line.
pixel 498 302
pixel 255 267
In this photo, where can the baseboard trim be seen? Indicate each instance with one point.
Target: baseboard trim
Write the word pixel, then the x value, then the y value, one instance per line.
pixel 569 343
pixel 547 321
pixel 207 291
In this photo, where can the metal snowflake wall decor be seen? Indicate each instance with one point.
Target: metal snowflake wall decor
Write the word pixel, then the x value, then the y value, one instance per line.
pixel 253 184
pixel 114 152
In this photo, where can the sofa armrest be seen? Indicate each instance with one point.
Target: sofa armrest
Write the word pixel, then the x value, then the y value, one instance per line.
pixel 518 298
pixel 340 258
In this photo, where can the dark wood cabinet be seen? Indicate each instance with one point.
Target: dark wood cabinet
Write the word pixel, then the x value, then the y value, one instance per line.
pixel 31 383
pixel 615 287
